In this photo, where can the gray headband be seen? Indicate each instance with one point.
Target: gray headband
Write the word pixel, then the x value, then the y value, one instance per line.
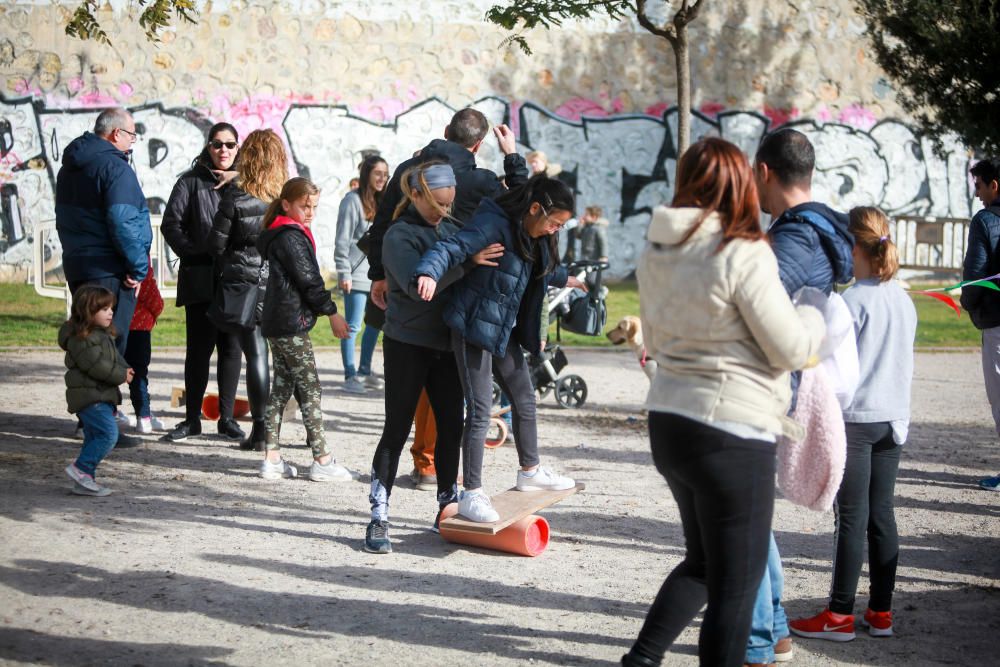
pixel 437 176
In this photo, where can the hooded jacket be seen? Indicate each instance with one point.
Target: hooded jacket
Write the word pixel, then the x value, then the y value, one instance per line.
pixel 186 225
pixel 473 184
pixel 593 238
pixel 982 259
pixel 96 368
pixel 720 326
pixel 295 292
pixel 493 305
pixel 101 213
pixel 813 247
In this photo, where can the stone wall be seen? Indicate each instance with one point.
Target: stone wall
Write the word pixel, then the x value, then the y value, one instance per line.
pixel 336 78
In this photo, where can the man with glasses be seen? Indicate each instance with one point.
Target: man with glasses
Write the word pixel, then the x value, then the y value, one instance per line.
pixel 102 217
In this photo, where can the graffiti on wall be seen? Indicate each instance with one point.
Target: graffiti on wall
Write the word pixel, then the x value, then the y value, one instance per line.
pixel 624 163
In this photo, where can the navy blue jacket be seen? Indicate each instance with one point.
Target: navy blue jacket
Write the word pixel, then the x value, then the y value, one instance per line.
pixel 981 260
pixel 485 305
pixel 813 247
pixel 101 213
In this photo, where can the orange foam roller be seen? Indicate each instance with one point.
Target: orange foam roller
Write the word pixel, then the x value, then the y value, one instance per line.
pixel 210 407
pixel 526 537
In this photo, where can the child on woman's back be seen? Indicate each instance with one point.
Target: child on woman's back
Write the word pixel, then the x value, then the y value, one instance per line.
pixel 95 371
pixel 876 422
pixel 295 296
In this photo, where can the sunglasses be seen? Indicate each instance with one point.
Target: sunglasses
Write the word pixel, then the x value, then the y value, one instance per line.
pixel 219 144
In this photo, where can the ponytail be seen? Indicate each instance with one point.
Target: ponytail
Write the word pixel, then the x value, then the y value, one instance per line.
pixel 870 228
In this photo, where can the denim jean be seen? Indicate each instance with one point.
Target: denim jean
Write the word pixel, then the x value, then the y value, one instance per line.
pixel 769 624
pixel 100 433
pixel 507 416
pixel 354 313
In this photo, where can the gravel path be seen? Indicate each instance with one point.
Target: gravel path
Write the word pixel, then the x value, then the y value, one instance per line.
pixel 194 560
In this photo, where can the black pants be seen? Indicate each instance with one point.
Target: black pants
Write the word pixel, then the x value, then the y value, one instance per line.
pixel 124 305
pixel 477 369
pixel 203 339
pixel 864 507
pixel 258 374
pixel 724 488
pixel 138 353
pixel 408 370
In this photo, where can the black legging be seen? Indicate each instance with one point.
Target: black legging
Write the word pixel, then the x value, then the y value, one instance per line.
pixel 864 508
pixel 408 370
pixel 258 376
pixel 202 339
pixel 724 489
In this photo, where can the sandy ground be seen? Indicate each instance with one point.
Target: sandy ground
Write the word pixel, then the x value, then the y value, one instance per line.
pixel 195 560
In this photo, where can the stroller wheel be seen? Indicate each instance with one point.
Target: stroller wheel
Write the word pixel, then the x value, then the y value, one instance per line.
pixel 544 390
pixel 496 394
pixel 501 428
pixel 571 391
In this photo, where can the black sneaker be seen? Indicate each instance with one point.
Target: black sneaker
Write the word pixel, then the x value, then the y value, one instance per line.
pixel 230 429
pixel 257 441
pixel 377 537
pixel 127 441
pixel 183 431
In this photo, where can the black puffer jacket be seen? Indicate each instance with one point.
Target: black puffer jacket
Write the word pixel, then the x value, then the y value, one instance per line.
pixel 233 239
pixel 296 294
pixel 187 223
pixel 473 184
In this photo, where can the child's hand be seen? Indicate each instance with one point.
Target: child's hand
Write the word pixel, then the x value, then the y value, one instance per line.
pixel 129 375
pixel 426 286
pixel 573 281
pixel 486 256
pixel 339 327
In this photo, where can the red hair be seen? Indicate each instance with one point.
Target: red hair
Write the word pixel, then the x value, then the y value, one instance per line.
pixel 715 175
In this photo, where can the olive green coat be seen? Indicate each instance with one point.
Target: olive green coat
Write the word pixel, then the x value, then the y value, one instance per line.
pixel 95 368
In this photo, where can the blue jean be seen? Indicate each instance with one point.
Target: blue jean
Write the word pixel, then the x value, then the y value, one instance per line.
pixel 507 416
pixel 769 624
pixel 354 313
pixel 100 433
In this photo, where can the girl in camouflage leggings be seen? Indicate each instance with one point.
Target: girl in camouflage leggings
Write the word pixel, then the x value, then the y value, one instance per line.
pixel 295 298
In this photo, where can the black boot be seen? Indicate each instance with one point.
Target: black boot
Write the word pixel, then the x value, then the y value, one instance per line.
pixel 258 437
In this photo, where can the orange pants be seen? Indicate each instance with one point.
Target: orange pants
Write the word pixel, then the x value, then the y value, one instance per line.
pixel 424 437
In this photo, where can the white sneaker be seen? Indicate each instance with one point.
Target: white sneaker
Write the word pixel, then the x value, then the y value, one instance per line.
pixel 123 420
pixel 331 472
pixel 374 382
pixel 156 423
pixel 277 470
pixel 476 506
pixel 145 425
pixel 543 480
pixel 82 478
pixel 353 385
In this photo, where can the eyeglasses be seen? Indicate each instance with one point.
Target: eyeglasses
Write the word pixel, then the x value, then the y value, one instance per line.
pixel 554 225
pixel 217 145
pixel 135 137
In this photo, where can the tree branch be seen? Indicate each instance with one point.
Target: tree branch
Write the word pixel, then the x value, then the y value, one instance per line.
pixel 668 32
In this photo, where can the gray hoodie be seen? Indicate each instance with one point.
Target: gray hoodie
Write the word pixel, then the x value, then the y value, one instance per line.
pixel 350 261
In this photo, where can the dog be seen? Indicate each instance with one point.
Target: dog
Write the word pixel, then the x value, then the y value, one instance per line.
pixel 629 330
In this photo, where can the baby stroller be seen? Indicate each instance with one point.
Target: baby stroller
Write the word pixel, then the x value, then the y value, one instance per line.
pixel 574 310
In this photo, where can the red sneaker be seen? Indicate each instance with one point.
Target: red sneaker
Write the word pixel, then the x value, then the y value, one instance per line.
pixel 879 623
pixel 825 625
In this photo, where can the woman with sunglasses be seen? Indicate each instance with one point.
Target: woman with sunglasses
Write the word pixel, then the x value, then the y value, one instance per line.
pixel 494 312
pixel 186 224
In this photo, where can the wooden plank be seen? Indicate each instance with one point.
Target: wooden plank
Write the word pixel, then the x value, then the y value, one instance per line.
pixel 512 505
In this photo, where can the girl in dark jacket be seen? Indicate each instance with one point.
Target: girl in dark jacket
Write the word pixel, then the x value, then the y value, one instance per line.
pixel 295 296
pixel 186 225
pixel 263 169
pixel 494 313
pixel 95 369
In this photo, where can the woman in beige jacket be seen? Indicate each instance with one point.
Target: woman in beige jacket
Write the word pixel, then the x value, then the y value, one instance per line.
pixel 725 334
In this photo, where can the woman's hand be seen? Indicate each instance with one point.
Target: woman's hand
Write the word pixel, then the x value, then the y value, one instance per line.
pixel 575 282
pixel 338 325
pixel 129 375
pixel 486 256
pixel 223 177
pixel 426 287
pixel 345 286
pixel 377 293
pixel 506 139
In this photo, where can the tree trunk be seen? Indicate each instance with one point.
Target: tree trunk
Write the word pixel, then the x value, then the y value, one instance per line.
pixel 683 57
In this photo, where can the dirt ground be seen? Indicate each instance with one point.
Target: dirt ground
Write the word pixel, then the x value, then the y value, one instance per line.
pixel 194 560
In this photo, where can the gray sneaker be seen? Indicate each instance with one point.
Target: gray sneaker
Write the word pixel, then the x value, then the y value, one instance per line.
pixel 353 385
pixel 331 472
pixel 81 478
pixel 374 382
pixel 277 470
pixel 81 490
pixel 377 537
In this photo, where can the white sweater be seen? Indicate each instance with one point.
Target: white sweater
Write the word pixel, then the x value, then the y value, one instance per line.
pixel 720 325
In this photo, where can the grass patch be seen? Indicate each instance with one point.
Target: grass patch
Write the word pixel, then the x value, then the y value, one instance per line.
pixel 27 319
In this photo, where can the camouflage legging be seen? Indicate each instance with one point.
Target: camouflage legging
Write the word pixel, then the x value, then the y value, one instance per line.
pixel 295 366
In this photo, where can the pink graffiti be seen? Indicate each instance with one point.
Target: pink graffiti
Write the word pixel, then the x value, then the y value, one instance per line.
pixel 256 112
pixel 712 109
pixel 125 90
pixel 385 109
pixel 857 116
pixel 578 107
pixel 780 115
pixel 823 114
pixel 657 109
pixel 74 85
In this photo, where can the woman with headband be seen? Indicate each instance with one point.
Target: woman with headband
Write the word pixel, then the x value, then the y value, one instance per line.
pixel 496 312
pixel 416 344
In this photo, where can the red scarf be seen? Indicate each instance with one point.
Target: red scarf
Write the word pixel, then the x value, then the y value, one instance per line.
pixel 282 220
